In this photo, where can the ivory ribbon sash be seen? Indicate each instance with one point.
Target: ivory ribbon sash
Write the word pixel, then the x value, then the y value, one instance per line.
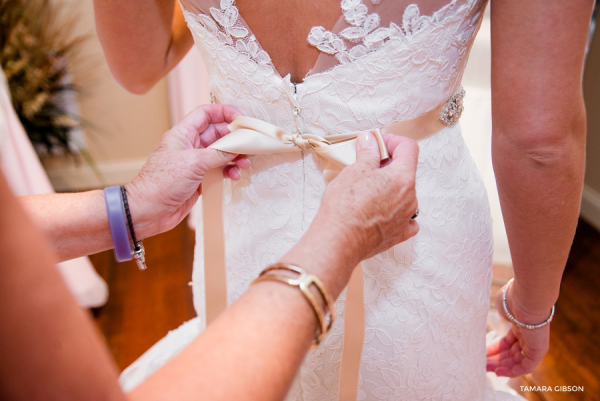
pixel 252 137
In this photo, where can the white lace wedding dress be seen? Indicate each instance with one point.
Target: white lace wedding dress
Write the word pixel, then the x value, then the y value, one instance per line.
pixel 426 300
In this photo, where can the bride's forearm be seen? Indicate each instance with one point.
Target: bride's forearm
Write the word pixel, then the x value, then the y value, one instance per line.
pixel 142 40
pixel 540 197
pixel 538 143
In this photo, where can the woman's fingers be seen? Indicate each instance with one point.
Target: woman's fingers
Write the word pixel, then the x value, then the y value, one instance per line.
pixel 219 116
pixel 517 369
pixel 212 133
pixel 208 159
pixel 508 363
pixel 502 356
pixel 231 171
pixel 367 150
pixel 503 344
pixel 242 162
pixel 404 151
pixel 512 357
pixel 412 229
pixel 205 124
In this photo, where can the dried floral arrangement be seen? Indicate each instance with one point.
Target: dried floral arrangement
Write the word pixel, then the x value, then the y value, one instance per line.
pixel 35 46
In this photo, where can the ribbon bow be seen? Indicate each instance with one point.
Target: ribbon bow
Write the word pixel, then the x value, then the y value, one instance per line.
pixel 251 136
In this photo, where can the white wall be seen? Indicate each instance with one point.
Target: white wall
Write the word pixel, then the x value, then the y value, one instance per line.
pixel 128 126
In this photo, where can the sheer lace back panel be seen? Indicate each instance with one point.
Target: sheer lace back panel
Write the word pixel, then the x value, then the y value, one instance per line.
pixel 369 48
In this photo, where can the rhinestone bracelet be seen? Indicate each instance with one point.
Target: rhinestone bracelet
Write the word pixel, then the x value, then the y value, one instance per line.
pixel 514 320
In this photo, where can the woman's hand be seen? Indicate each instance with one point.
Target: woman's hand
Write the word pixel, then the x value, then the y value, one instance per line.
pixel 520 351
pixel 169 184
pixel 365 210
pixel 372 206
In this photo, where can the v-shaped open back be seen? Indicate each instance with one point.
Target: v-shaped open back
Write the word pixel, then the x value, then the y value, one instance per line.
pixel 339 31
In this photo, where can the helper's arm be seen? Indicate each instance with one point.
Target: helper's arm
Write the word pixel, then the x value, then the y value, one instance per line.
pixel 46 340
pixel 159 197
pixel 51 350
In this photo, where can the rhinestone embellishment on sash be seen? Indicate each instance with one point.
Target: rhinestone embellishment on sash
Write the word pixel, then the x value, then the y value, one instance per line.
pixel 453 109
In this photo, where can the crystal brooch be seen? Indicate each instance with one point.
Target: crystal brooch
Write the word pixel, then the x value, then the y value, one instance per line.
pixel 453 109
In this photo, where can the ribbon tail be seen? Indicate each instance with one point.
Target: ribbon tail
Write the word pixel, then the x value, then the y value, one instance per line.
pixel 354 336
pixel 215 276
pixel 331 170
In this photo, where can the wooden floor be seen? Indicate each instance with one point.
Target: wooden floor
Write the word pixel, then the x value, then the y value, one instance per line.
pixel 144 306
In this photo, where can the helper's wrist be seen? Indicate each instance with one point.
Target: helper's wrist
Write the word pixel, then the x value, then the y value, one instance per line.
pixel 326 253
pixel 142 214
pixel 343 231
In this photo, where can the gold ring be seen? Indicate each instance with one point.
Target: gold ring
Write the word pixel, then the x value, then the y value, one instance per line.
pixel 523 353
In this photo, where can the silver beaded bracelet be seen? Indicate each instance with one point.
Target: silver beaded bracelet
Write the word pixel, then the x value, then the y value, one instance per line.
pixel 512 318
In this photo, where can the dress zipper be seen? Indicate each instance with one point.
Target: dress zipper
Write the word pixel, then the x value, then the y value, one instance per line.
pixel 296 108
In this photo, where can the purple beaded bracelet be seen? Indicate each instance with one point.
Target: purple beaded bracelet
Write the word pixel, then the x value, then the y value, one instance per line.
pixel 118 227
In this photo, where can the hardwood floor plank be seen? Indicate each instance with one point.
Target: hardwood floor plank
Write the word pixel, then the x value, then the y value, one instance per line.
pixel 144 305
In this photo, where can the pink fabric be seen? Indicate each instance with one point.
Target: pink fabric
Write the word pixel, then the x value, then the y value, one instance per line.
pixel 188 86
pixel 20 164
pixel 26 176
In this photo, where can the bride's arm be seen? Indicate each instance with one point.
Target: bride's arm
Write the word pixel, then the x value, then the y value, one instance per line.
pixel 538 143
pixel 142 39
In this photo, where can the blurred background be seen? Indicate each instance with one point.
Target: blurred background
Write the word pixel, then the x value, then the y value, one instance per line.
pixel 88 132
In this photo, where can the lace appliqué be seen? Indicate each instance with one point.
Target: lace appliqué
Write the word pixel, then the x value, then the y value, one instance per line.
pixel 240 45
pixel 236 62
pixel 365 31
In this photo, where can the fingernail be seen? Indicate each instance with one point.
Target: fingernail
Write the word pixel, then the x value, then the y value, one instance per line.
pixel 236 173
pixel 365 140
